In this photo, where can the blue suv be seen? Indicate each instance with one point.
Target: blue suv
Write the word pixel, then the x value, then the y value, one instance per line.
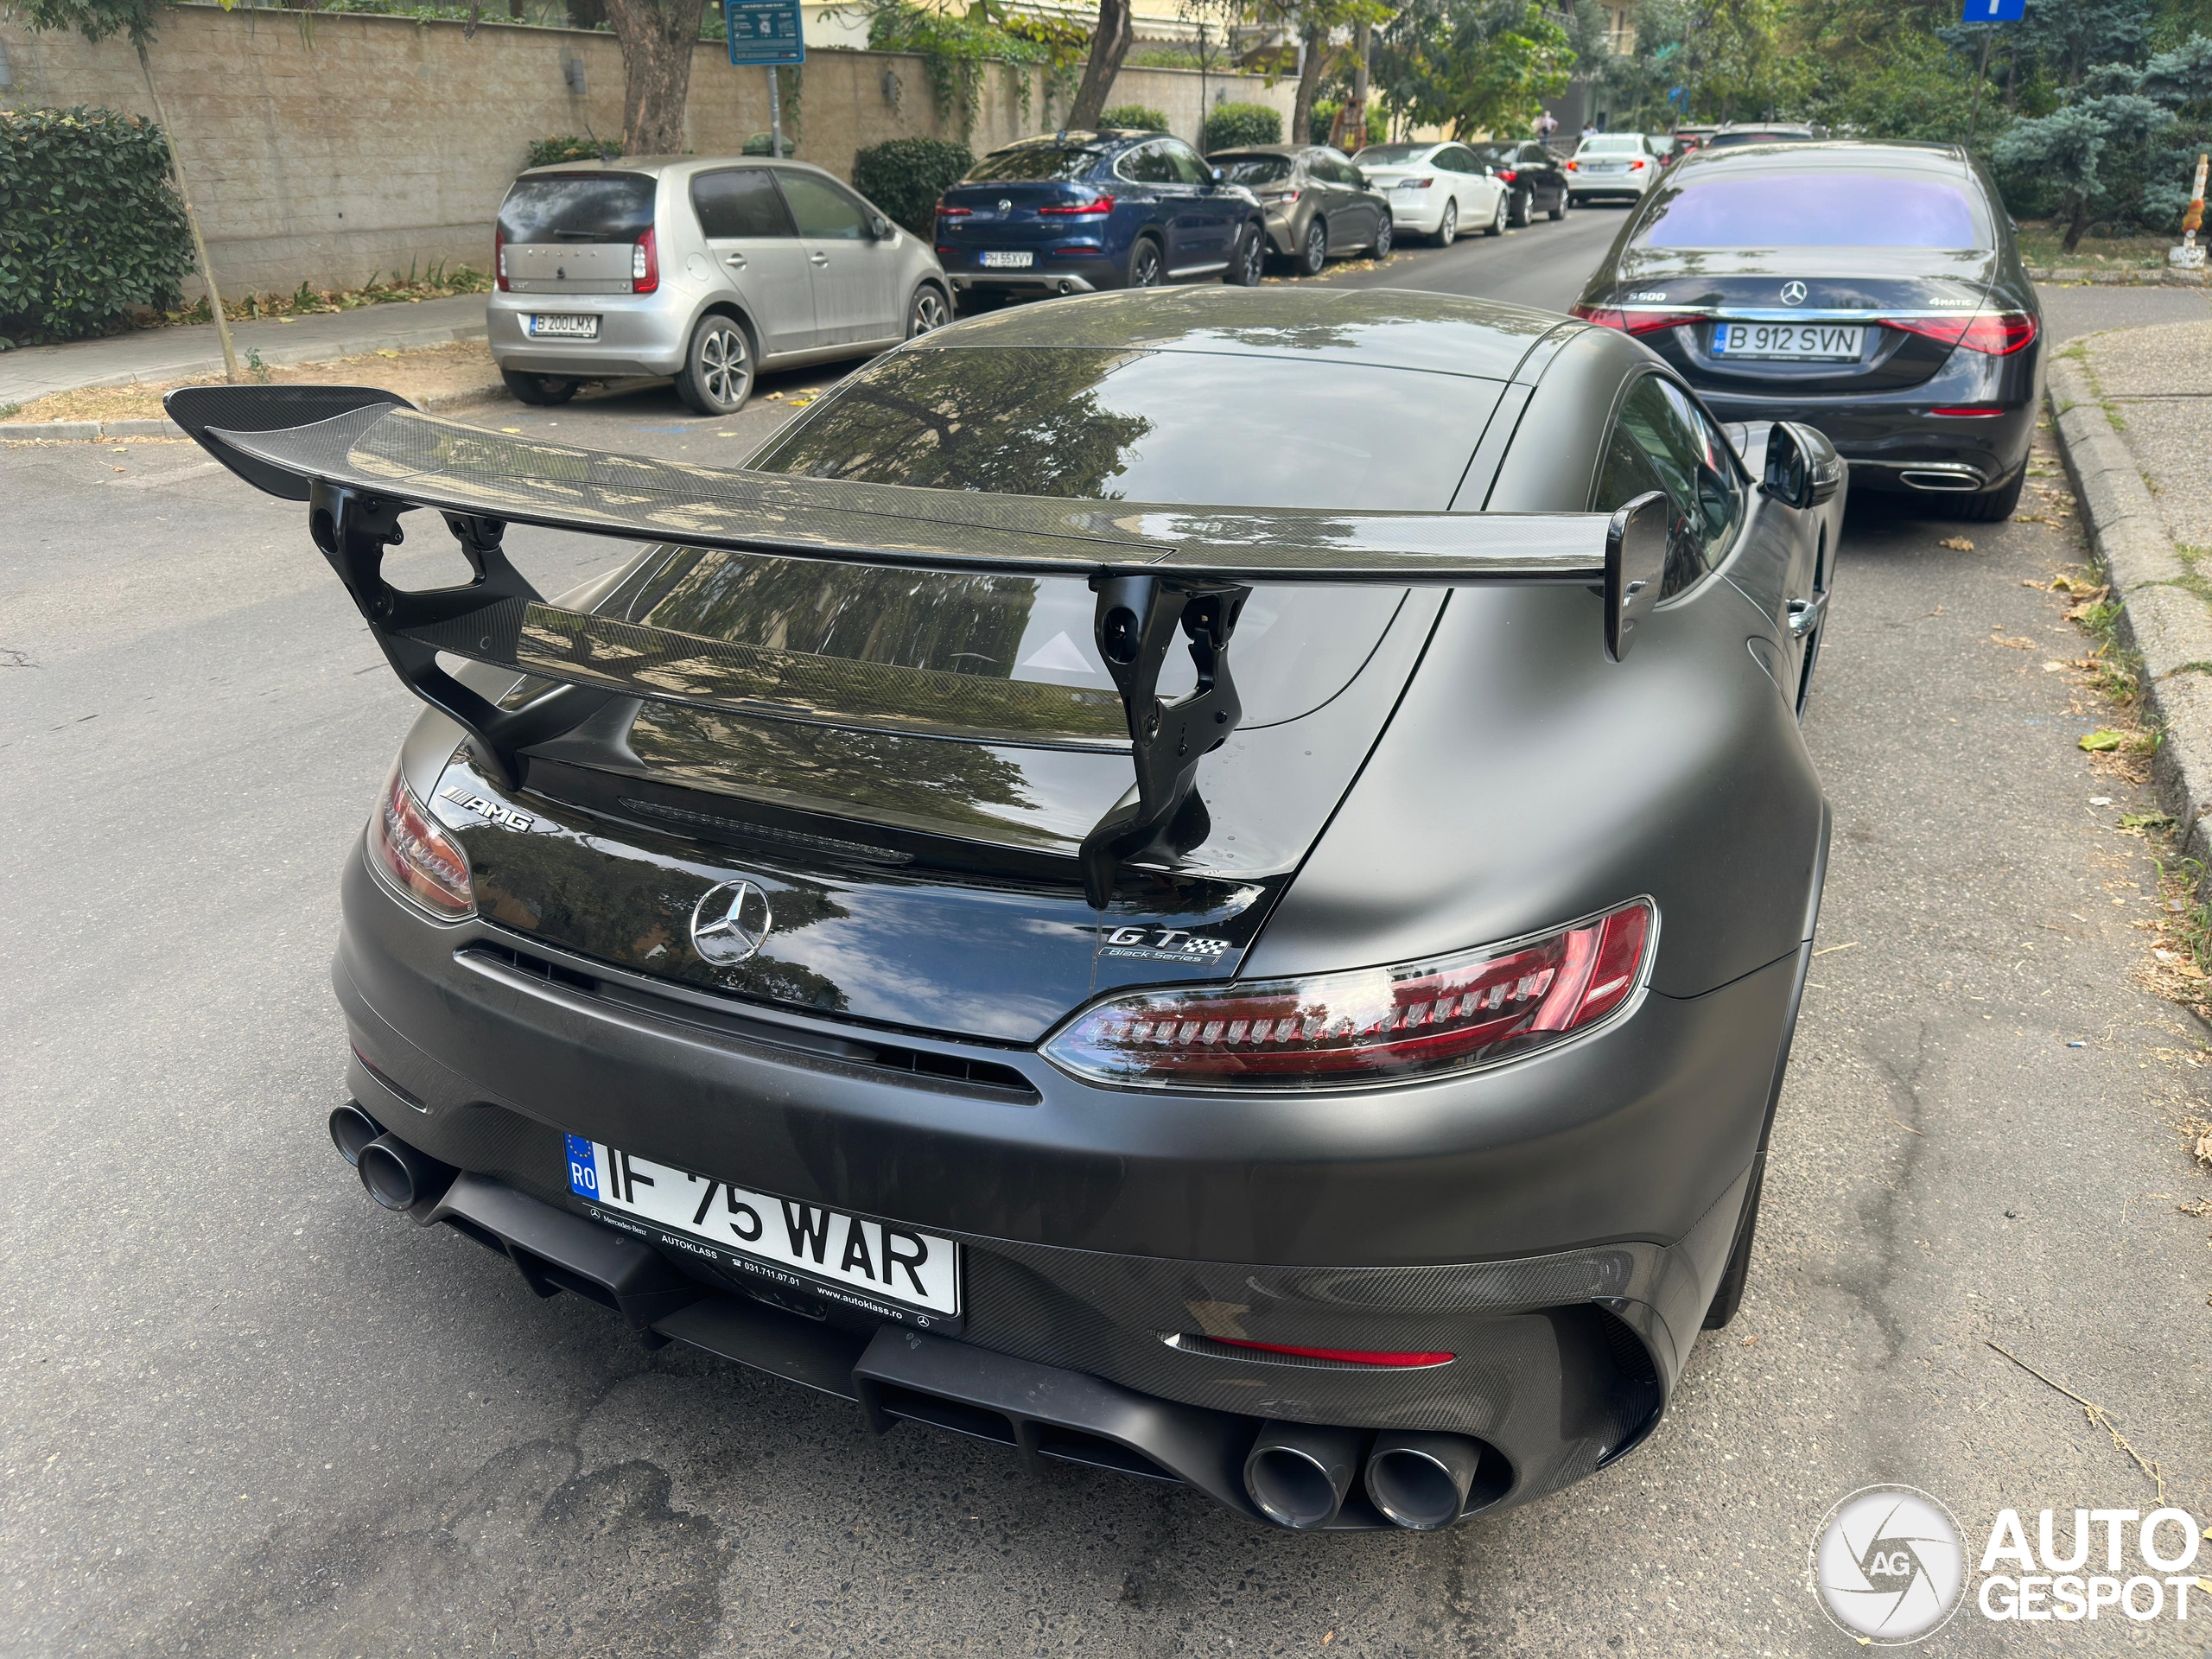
pixel 1072 211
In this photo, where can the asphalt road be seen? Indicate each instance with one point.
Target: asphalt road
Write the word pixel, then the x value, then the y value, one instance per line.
pixel 249 1414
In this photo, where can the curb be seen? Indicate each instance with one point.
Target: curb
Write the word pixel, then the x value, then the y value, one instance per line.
pixel 2150 277
pixel 277 355
pixel 443 403
pixel 2163 621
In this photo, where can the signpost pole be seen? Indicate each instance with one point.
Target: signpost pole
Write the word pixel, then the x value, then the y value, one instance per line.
pixel 1979 75
pixel 775 113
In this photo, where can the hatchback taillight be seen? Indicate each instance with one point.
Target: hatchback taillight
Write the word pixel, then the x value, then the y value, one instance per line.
pixel 1080 209
pixel 944 212
pixel 1370 1024
pixel 413 852
pixel 500 258
pixel 1507 175
pixel 1994 333
pixel 644 265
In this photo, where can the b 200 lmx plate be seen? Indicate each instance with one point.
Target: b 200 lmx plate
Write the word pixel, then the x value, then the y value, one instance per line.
pixel 1803 342
pixel 996 260
pixel 884 1269
pixel 563 325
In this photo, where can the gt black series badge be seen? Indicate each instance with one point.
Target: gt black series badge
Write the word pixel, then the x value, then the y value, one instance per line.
pixel 1160 944
pixel 730 923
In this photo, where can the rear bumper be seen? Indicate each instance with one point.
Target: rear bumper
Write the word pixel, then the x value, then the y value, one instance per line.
pixel 1895 445
pixel 638 335
pixel 1420 215
pixel 1558 1225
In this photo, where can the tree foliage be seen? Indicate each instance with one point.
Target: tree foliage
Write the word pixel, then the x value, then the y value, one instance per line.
pixel 905 177
pixel 1473 66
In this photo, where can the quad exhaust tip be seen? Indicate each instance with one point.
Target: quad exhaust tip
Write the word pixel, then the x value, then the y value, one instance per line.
pixel 351 1129
pixel 1298 1474
pixel 1421 1481
pixel 397 1176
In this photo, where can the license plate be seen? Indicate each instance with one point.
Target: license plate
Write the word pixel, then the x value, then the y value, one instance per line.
pixel 1009 261
pixel 890 1271
pixel 563 325
pixel 1802 342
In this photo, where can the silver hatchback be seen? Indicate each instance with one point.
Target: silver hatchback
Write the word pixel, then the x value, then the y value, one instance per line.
pixel 707 271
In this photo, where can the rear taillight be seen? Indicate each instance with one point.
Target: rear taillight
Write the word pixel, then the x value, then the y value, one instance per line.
pixel 1370 1024
pixel 1572 166
pixel 1633 322
pixel 1284 197
pixel 1994 333
pixel 944 212
pixel 1080 209
pixel 1337 1356
pixel 1636 166
pixel 1508 175
pixel 500 258
pixel 1966 412
pixel 410 850
pixel 644 265
pixel 1416 184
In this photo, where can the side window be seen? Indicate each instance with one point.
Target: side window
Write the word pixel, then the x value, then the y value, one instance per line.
pixel 1147 164
pixel 1677 450
pixel 823 211
pixel 1183 163
pixel 739 204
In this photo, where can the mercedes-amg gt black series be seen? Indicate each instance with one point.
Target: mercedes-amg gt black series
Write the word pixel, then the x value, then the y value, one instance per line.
pixel 1213 884
pixel 1873 290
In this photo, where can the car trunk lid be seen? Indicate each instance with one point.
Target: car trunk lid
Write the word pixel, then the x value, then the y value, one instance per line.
pixel 574 233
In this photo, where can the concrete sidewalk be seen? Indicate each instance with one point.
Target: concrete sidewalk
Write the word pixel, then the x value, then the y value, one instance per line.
pixel 2135 421
pixel 157 354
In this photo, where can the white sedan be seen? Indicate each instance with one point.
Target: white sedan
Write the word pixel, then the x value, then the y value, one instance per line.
pixel 1436 189
pixel 1615 164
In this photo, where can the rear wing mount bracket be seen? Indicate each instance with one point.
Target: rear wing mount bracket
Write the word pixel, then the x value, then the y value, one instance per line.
pixel 1136 620
pixel 354 528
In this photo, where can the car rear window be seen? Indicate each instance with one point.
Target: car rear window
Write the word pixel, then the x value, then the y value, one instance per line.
pixel 1496 155
pixel 578 207
pixel 1825 209
pixel 1034 164
pixel 1392 155
pixel 1176 426
pixel 1254 169
pixel 1619 144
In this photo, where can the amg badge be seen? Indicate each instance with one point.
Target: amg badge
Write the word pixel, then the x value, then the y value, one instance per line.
pixel 492 811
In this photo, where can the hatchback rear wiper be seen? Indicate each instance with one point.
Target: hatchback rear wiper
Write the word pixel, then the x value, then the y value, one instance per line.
pixel 362 458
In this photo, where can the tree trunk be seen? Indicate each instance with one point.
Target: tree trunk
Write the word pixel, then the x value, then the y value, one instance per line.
pixel 191 220
pixel 2078 224
pixel 1309 84
pixel 1117 30
pixel 658 37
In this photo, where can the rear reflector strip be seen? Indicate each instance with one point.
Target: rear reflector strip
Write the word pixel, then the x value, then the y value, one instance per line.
pixel 1341 1356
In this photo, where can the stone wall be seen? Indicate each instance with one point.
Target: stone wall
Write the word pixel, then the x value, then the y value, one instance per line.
pixel 331 148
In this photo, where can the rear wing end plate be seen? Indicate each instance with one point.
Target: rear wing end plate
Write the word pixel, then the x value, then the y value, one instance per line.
pixel 361 458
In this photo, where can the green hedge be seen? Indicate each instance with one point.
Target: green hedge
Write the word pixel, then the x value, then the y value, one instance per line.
pixel 1134 115
pixel 1234 126
pixel 905 177
pixel 568 147
pixel 89 226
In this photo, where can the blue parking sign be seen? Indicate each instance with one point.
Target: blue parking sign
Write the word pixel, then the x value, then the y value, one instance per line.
pixel 764 32
pixel 1994 11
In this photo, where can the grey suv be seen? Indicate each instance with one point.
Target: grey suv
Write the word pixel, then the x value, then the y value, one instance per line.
pixel 705 271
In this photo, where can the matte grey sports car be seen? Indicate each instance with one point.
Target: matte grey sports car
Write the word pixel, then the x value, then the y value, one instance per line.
pixel 1087 900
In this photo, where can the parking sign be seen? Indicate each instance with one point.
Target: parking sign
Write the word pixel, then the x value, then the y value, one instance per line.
pixel 764 32
pixel 1994 11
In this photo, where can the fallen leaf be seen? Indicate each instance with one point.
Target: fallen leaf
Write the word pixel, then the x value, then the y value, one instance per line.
pixel 2054 668
pixel 1750 1341
pixel 2099 742
pixel 2011 644
pixel 2204 1148
pixel 511 428
pixel 2188 970
pixel 1956 543
pixel 385 351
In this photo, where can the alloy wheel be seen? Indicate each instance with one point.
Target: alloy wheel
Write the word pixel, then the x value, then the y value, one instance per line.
pixel 1448 232
pixel 928 313
pixel 1497 219
pixel 725 367
pixel 1383 239
pixel 1144 265
pixel 1317 249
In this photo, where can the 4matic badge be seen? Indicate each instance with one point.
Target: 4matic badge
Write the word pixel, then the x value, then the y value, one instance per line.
pixel 490 811
pixel 1161 944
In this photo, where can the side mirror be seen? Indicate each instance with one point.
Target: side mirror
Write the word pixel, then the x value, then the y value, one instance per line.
pixel 1636 564
pixel 883 228
pixel 1489 172
pixel 1802 468
pixel 1220 175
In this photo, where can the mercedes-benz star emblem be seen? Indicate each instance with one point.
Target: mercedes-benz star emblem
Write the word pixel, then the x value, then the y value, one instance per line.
pixel 1006 204
pixel 1793 293
pixel 730 923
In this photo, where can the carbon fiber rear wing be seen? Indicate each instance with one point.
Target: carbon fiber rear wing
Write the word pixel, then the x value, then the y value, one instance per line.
pixel 361 458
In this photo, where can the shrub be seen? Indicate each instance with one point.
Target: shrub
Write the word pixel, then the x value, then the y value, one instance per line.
pixel 1232 126
pixel 549 152
pixel 89 227
pixel 1134 115
pixel 905 177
